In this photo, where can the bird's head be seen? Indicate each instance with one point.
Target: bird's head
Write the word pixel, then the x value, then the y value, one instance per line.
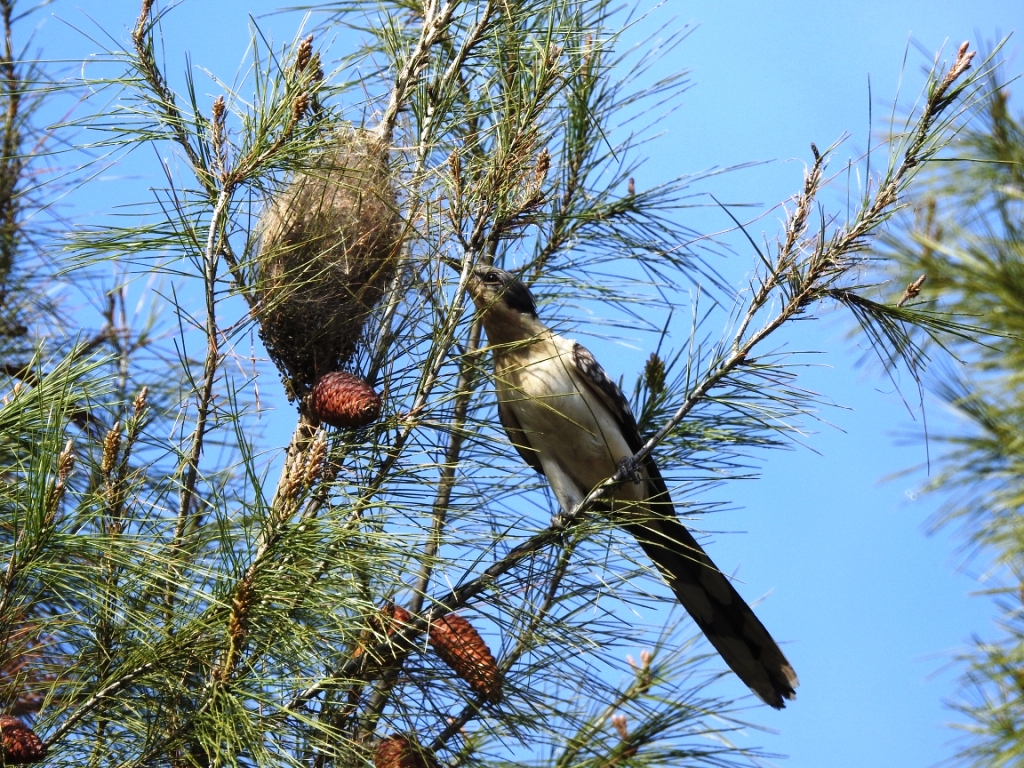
pixel 506 305
pixel 495 290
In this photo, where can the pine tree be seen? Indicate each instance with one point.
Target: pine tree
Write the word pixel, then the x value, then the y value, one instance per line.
pixel 391 589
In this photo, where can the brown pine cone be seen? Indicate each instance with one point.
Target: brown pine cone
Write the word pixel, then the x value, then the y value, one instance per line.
pixel 398 751
pixel 343 400
pixel 19 744
pixel 461 648
pixel 398 615
pixel 390 620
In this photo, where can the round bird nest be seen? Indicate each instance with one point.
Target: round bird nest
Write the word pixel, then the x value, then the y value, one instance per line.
pixel 329 243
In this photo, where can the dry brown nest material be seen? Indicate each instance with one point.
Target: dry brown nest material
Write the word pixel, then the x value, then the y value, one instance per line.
pixel 329 243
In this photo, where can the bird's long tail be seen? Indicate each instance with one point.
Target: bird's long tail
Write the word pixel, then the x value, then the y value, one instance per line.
pixel 712 601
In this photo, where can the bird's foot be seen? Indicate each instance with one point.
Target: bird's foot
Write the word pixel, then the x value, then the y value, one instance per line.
pixel 630 470
pixel 559 521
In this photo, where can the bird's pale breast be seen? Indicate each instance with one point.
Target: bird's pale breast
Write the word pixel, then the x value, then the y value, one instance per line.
pixel 561 416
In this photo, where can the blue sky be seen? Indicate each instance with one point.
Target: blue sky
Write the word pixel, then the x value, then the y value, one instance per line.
pixel 872 607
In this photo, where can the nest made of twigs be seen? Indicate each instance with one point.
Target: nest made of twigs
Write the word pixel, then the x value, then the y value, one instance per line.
pixel 328 245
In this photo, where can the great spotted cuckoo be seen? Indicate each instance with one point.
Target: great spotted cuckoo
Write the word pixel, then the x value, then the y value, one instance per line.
pixel 570 422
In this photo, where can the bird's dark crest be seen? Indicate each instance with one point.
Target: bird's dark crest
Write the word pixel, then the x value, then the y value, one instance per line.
pixel 513 291
pixel 519 298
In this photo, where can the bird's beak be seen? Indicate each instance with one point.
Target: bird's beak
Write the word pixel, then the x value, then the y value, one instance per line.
pixel 472 284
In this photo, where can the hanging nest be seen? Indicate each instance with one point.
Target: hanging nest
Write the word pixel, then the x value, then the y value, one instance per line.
pixel 329 243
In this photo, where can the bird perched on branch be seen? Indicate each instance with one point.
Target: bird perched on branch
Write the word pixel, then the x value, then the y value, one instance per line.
pixel 571 423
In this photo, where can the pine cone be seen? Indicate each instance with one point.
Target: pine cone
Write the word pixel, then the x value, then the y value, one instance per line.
pixel 398 751
pixel 20 746
pixel 398 615
pixel 390 620
pixel 461 648
pixel 343 400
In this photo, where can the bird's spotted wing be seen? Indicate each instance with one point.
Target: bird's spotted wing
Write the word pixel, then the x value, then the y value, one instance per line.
pixel 608 391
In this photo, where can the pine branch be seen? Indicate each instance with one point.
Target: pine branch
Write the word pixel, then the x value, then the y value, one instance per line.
pixel 802 281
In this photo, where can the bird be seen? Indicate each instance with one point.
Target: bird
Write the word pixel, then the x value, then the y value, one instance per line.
pixel 570 422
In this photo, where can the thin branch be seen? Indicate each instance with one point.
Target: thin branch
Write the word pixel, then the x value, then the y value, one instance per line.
pixel 523 644
pixel 97 698
pixel 142 37
pixel 446 484
pixel 191 469
pixel 435 21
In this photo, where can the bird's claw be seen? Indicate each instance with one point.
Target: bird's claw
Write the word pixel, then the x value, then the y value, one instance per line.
pixel 630 469
pixel 559 521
